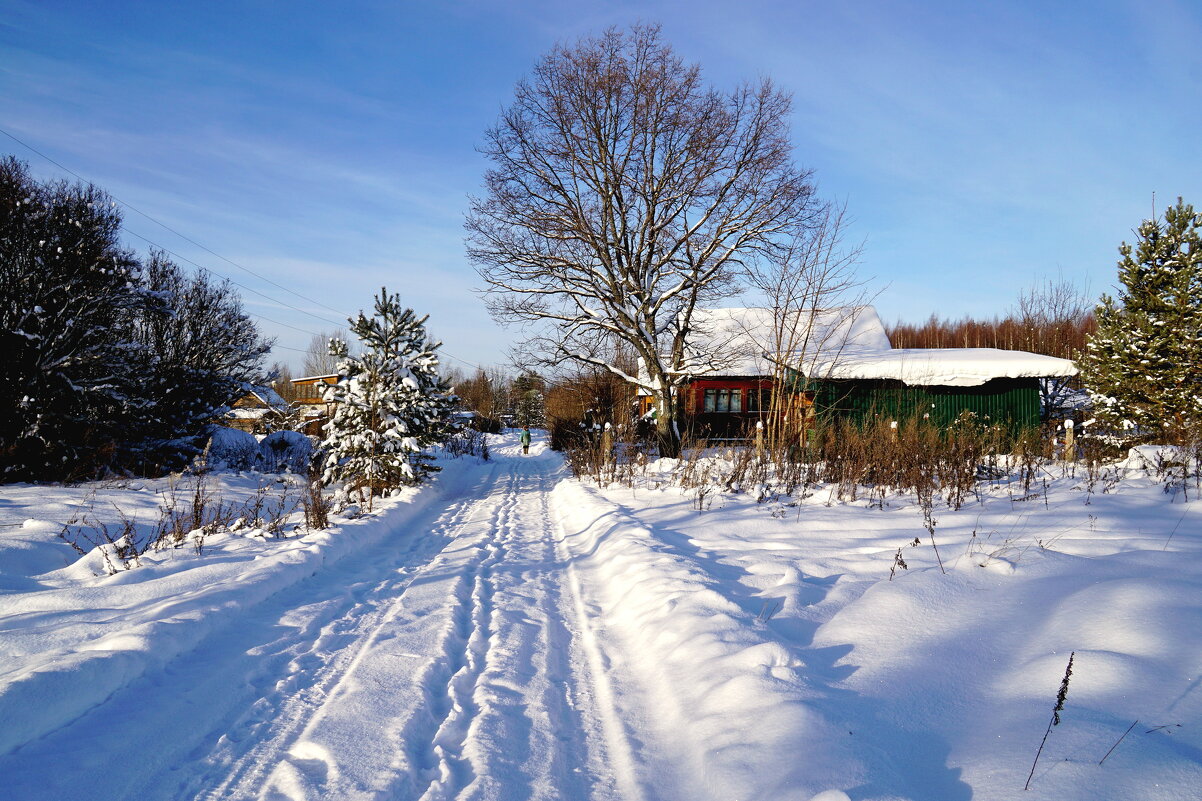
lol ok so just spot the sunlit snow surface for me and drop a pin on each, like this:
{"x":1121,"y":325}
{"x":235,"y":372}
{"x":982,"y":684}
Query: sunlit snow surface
{"x":510,"y":633}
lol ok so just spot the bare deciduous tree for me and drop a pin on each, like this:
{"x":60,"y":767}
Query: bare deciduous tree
{"x":815,"y":295}
{"x":1056,"y":317}
{"x":318,"y":359}
{"x":486,"y":392}
{"x":625,"y":193}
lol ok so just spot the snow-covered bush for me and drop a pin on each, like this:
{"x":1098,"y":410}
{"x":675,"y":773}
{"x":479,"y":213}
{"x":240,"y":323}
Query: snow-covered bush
{"x":231,"y":449}
{"x":68,"y":289}
{"x":113,"y":364}
{"x":468,"y":442}
{"x":289,"y":451}
{"x":199,"y":352}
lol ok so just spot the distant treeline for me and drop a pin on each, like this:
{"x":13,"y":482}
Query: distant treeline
{"x":1055,"y":320}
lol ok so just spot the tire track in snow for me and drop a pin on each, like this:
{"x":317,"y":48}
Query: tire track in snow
{"x":447,"y":665}
{"x":573,"y":692}
{"x":527,"y":740}
{"x":516,"y":717}
{"x":454,"y":706}
{"x":317,"y":670}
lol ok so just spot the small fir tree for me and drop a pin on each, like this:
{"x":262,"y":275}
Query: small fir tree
{"x":390,"y":404}
{"x":1143,"y":367}
{"x":528,"y":389}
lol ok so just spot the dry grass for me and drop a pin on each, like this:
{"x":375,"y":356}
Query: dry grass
{"x":187,"y":515}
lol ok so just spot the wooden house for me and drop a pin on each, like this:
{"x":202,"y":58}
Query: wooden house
{"x":838,"y":363}
{"x":257,"y":410}
{"x":311,"y":402}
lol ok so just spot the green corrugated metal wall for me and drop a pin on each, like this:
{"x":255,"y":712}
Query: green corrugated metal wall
{"x":1013,"y":402}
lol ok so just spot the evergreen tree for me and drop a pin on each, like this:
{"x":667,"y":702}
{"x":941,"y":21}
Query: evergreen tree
{"x":530,"y":411}
{"x":390,"y":404}
{"x":68,"y":296}
{"x":1143,"y":367}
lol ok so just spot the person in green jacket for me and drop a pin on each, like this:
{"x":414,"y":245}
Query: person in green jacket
{"x":526,"y":440}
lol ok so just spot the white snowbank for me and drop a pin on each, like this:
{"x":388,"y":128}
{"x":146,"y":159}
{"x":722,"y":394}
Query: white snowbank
{"x":928,"y":686}
{"x":725,"y":701}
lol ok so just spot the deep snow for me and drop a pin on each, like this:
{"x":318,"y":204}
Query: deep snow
{"x":509,"y":633}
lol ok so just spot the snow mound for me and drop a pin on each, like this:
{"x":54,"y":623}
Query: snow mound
{"x":721,"y":693}
{"x":289,"y":451}
{"x":231,"y":449}
{"x":1153,"y":458}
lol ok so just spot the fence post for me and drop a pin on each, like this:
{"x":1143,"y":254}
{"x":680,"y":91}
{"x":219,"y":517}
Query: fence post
{"x":759,"y":439}
{"x":1070,"y":441}
{"x":893,"y":430}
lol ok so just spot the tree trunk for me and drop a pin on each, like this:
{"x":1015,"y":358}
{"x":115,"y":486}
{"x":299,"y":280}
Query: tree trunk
{"x":667,"y":435}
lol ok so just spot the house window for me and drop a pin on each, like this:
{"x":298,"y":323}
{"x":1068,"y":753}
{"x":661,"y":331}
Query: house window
{"x":758,"y":399}
{"x":723,"y":400}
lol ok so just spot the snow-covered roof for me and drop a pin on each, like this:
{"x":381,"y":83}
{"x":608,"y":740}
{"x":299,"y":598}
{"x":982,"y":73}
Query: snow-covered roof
{"x":846,"y":343}
{"x":314,"y":377}
{"x":246,"y":413}
{"x":269,"y":397}
{"x":949,"y":367}
{"x":747,"y":341}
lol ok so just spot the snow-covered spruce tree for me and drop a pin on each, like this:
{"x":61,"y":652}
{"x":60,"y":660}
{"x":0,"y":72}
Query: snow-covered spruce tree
{"x":389,"y":405}
{"x":1143,"y":367}
{"x":200,"y":352}
{"x":68,"y":295}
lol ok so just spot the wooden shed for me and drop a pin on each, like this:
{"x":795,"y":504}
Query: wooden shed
{"x":838,"y":364}
{"x":311,"y":401}
{"x":257,"y":410}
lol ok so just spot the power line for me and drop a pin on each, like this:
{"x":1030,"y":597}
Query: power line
{"x":442,"y":352}
{"x":198,"y":266}
{"x":204,"y":269}
{"x":190,"y":240}
{"x":461,"y":361}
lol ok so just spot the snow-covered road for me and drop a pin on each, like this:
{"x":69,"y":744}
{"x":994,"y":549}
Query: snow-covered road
{"x":508,"y":632}
{"x":448,"y":662}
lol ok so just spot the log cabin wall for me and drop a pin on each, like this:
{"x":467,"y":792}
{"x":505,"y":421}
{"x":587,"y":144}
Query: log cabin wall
{"x":725,"y":407}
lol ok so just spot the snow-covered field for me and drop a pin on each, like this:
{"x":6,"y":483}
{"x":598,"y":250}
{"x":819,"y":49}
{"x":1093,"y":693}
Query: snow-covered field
{"x":510,"y":633}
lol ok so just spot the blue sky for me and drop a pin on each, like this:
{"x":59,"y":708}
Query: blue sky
{"x":330,"y":147}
